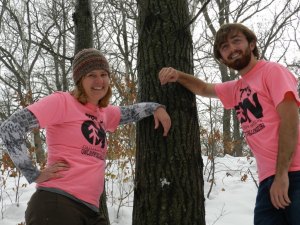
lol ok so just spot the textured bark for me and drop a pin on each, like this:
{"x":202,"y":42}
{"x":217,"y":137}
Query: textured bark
{"x":227,"y":140}
{"x":84,"y":39}
{"x":83,"y":25}
{"x":226,"y":118}
{"x":169,"y":179}
{"x":103,"y":210}
{"x":39,"y":152}
{"x":237,"y":137}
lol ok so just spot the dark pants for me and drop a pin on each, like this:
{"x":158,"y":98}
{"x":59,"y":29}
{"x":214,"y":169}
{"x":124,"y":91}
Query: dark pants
{"x":266,"y":214}
{"x":47,"y":208}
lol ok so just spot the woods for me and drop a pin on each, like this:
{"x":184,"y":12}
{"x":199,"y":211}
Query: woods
{"x":38,"y":40}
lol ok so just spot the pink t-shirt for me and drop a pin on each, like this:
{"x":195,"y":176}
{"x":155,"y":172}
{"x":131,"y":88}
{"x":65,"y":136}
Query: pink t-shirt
{"x":75,"y":134}
{"x":255,"y":97}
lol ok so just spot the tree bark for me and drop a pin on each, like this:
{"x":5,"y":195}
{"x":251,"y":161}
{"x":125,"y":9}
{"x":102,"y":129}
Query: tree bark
{"x":83,"y":25}
{"x":103,"y":210}
{"x":237,"y":137}
{"x":169,"y":178}
{"x":40,"y":154}
{"x":84,"y":39}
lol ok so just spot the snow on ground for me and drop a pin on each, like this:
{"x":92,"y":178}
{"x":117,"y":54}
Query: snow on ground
{"x":230,"y":202}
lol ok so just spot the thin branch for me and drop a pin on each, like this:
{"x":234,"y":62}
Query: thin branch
{"x":197,"y":15}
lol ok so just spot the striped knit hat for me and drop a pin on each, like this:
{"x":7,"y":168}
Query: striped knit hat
{"x":87,"y":60}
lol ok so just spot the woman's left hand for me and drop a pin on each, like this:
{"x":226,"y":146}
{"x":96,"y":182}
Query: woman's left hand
{"x":161,"y":116}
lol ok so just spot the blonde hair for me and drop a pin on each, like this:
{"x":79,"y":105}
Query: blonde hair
{"x":81,"y":96}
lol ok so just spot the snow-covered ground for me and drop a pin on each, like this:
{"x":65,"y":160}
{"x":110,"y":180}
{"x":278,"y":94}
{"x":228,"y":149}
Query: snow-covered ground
{"x":231,"y":200}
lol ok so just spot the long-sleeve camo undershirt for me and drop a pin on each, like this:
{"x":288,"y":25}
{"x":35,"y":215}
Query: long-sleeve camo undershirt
{"x":13,"y":133}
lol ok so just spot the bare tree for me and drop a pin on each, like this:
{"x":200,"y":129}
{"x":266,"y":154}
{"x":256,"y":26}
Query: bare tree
{"x":83,"y":21}
{"x":57,"y":50}
{"x":169,"y":179}
{"x":270,"y":32}
{"x":120,"y":35}
{"x":3,"y":7}
{"x":83,"y":25}
{"x":293,"y":61}
{"x":20,"y":56}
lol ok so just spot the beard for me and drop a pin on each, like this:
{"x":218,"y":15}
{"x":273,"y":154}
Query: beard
{"x":242,"y":62}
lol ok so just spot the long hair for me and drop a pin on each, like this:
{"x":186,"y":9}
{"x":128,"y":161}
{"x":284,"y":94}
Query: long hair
{"x":81,"y":96}
{"x":227,"y":29}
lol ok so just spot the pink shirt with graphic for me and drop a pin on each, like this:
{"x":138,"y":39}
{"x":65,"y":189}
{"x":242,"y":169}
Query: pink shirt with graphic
{"x":75,"y":134}
{"x":255,"y":97}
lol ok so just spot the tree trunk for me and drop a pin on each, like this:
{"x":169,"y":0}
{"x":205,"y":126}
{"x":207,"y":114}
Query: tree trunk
{"x":227,"y":138}
{"x":103,"y":209}
{"x":238,"y":139}
{"x":84,"y":39}
{"x":169,"y":178}
{"x":83,"y":25}
{"x":39,"y":152}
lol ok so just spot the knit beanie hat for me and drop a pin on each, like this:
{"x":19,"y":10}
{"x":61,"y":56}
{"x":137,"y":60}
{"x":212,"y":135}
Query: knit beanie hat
{"x":87,"y":60}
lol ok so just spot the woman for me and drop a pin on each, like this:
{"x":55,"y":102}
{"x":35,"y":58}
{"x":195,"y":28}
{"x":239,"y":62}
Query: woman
{"x":68,"y":189}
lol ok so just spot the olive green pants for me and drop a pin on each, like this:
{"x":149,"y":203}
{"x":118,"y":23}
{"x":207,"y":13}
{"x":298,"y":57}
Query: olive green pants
{"x":47,"y":208}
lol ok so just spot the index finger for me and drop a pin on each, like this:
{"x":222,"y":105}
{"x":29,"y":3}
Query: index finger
{"x":169,"y":74}
{"x":161,"y":75}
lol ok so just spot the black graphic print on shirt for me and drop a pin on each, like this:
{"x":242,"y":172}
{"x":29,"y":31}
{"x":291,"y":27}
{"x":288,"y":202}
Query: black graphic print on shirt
{"x":94,"y":133}
{"x":249,"y":112}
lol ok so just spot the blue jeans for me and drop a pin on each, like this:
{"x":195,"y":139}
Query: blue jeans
{"x":266,"y":214}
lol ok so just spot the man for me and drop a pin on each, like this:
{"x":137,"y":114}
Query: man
{"x":266,"y":102}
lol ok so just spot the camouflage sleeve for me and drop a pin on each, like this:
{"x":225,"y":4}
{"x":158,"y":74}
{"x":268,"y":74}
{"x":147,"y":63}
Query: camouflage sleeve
{"x":136,"y":112}
{"x":12,"y":133}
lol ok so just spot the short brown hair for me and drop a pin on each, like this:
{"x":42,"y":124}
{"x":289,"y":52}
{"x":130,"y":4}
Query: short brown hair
{"x":226,"y":29}
{"x":80,"y":95}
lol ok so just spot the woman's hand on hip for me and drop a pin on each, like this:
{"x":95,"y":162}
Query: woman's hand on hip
{"x":52,"y":172}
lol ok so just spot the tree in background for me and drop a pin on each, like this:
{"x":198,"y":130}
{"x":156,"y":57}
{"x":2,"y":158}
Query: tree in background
{"x":169,"y":179}
{"x":19,"y":55}
{"x":83,"y":21}
{"x":273,"y":41}
{"x":48,"y":26}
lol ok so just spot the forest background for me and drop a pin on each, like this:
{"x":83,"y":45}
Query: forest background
{"x":37,"y":46}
